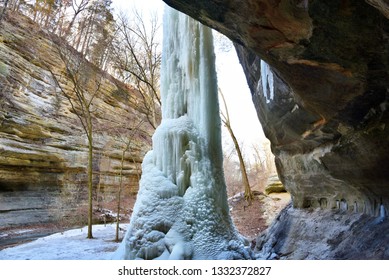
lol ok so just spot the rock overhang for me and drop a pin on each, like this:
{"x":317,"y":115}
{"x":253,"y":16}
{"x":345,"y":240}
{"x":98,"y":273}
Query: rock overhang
{"x":327,"y":121}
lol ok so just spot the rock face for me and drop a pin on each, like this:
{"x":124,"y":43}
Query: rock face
{"x":43,"y":149}
{"x":319,"y":77}
{"x":324,"y":234}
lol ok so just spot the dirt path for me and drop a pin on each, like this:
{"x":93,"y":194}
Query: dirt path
{"x":250,"y":220}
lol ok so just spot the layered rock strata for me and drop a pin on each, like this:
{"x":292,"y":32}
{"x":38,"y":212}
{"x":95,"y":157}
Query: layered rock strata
{"x":43,"y":148}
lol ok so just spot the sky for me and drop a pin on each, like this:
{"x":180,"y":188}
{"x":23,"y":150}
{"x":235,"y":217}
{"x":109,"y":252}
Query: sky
{"x":231,"y":80}
{"x":143,"y":4}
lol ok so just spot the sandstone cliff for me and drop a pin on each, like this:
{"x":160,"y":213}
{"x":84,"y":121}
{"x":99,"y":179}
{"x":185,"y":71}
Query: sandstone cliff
{"x":43,"y":149}
{"x":319,"y":77}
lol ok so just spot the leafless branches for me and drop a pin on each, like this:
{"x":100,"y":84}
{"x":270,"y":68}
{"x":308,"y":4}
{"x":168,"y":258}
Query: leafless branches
{"x":137,"y":58}
{"x":227,"y":123}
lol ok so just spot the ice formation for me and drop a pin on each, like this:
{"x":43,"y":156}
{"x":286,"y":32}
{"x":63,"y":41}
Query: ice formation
{"x":267,"y":79}
{"x":181,"y":210}
{"x":382,"y":212}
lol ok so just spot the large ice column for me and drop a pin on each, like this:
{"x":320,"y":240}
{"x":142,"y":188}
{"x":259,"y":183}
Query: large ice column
{"x":181,"y":211}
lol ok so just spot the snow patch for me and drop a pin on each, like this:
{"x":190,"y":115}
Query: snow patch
{"x":23,"y":231}
{"x":68,"y":245}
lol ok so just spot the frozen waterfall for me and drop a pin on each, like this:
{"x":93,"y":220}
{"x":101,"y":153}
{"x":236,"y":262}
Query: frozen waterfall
{"x":181,"y":211}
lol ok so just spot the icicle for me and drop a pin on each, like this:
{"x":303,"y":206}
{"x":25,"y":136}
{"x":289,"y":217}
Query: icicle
{"x":355,"y":207}
{"x":267,"y":80}
{"x":343,"y":205}
{"x":382,"y":212}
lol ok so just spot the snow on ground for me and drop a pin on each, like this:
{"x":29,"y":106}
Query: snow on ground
{"x":68,"y":245}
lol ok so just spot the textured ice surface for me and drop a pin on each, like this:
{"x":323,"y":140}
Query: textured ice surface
{"x":181,"y":210}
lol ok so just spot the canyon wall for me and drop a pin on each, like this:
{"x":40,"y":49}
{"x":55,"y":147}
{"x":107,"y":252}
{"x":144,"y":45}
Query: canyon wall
{"x":43,"y":148}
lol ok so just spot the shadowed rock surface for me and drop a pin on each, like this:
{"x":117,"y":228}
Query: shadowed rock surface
{"x":324,"y":234}
{"x":321,"y":94}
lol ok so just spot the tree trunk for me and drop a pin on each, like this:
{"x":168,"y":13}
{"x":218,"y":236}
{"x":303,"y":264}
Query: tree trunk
{"x":16,"y":5}
{"x":48,"y":17}
{"x":248,"y":194}
{"x":4,"y":9}
{"x":119,"y":195}
{"x":88,"y":34}
{"x":79,"y":37}
{"x":90,"y":177}
{"x":69,"y":28}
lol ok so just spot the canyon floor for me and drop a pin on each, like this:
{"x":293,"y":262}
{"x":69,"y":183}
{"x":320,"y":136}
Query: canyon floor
{"x":250,"y":220}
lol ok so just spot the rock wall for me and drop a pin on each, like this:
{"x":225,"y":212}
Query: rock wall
{"x":324,"y":234}
{"x":43,"y":148}
{"x":318,"y":74}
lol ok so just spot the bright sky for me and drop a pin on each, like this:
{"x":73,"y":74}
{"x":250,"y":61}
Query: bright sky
{"x":143,"y":4}
{"x":231,"y":80}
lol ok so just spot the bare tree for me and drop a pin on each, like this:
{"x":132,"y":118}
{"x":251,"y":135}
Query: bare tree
{"x":227,"y":123}
{"x":4,"y":9}
{"x":78,"y":7}
{"x":137,"y":59}
{"x":127,"y":141}
{"x":85,"y":86}
{"x":95,"y":32}
{"x":17,"y":4}
{"x":231,"y":171}
{"x":59,"y":25}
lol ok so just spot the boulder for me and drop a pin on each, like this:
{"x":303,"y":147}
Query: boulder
{"x":274,"y":185}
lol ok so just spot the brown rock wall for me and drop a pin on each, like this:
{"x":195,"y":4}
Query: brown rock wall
{"x":43,"y":149}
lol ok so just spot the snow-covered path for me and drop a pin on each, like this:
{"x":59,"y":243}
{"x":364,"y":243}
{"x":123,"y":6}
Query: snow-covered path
{"x":68,"y":245}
